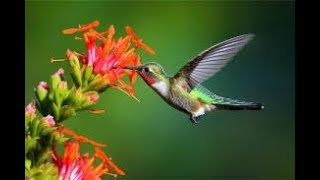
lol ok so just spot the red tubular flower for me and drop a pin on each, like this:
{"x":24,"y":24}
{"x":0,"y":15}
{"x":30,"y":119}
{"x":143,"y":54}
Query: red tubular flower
{"x":71,"y":165}
{"x":137,"y":41}
{"x":80,"y":138}
{"x":109,"y":52}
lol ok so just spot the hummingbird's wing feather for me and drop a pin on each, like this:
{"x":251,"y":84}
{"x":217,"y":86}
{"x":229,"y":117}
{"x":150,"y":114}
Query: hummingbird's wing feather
{"x":210,"y":61}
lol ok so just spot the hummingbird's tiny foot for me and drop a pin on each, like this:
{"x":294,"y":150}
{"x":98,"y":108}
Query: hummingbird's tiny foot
{"x":195,"y":119}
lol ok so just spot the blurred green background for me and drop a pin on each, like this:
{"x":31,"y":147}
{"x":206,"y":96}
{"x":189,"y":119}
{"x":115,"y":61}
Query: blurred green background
{"x":151,"y":140}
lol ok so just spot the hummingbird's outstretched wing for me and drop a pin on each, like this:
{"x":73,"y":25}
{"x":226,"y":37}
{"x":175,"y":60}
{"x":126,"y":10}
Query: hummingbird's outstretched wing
{"x":210,"y":61}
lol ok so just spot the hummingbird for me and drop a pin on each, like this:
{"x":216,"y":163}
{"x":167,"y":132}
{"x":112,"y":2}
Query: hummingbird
{"x":184,"y":91}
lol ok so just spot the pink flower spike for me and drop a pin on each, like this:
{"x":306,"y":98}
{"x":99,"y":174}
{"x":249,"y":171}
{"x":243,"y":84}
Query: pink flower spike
{"x":49,"y":120}
{"x":94,"y":98}
{"x":31,"y":108}
{"x":43,"y":85}
{"x":60,"y":72}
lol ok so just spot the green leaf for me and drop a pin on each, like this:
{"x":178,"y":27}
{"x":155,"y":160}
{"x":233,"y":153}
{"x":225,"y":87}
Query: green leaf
{"x":45,"y":155}
{"x":97,"y":79}
{"x":42,"y":95}
{"x":27,"y":164}
{"x":65,"y":95}
{"x":72,"y":96}
{"x":57,"y":97}
{"x":47,"y":171}
{"x":55,"y":80}
{"x":102,"y":87}
{"x":74,"y":62}
{"x":30,"y":143}
{"x":76,"y":77}
{"x":47,"y":130}
{"x":34,"y":127}
{"x":27,"y":126}
{"x":76,"y":71}
{"x":56,"y":111}
{"x":66,"y":112}
{"x":60,"y":139}
{"x":86,"y":100}
{"x":86,"y":75}
{"x":93,"y":76}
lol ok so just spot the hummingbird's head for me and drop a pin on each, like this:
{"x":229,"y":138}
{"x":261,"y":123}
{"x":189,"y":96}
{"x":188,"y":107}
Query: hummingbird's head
{"x":150,"y":72}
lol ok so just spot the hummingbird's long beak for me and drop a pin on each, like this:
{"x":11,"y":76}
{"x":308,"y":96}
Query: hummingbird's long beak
{"x":135,"y":68}
{"x":130,"y":67}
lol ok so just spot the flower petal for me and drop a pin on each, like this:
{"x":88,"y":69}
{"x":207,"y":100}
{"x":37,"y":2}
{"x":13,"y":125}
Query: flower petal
{"x":104,"y":157}
{"x":97,"y":111}
{"x":138,"y":42}
{"x":81,"y":28}
{"x":81,"y":138}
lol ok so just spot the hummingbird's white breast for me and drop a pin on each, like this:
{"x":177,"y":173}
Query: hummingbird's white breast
{"x":161,"y":87}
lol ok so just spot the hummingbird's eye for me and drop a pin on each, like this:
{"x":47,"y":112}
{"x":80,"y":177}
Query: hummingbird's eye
{"x":146,"y":69}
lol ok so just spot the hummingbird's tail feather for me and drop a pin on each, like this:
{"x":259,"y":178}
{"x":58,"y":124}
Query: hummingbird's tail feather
{"x":223,"y":102}
{"x":234,"y":104}
{"x":242,"y":106}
